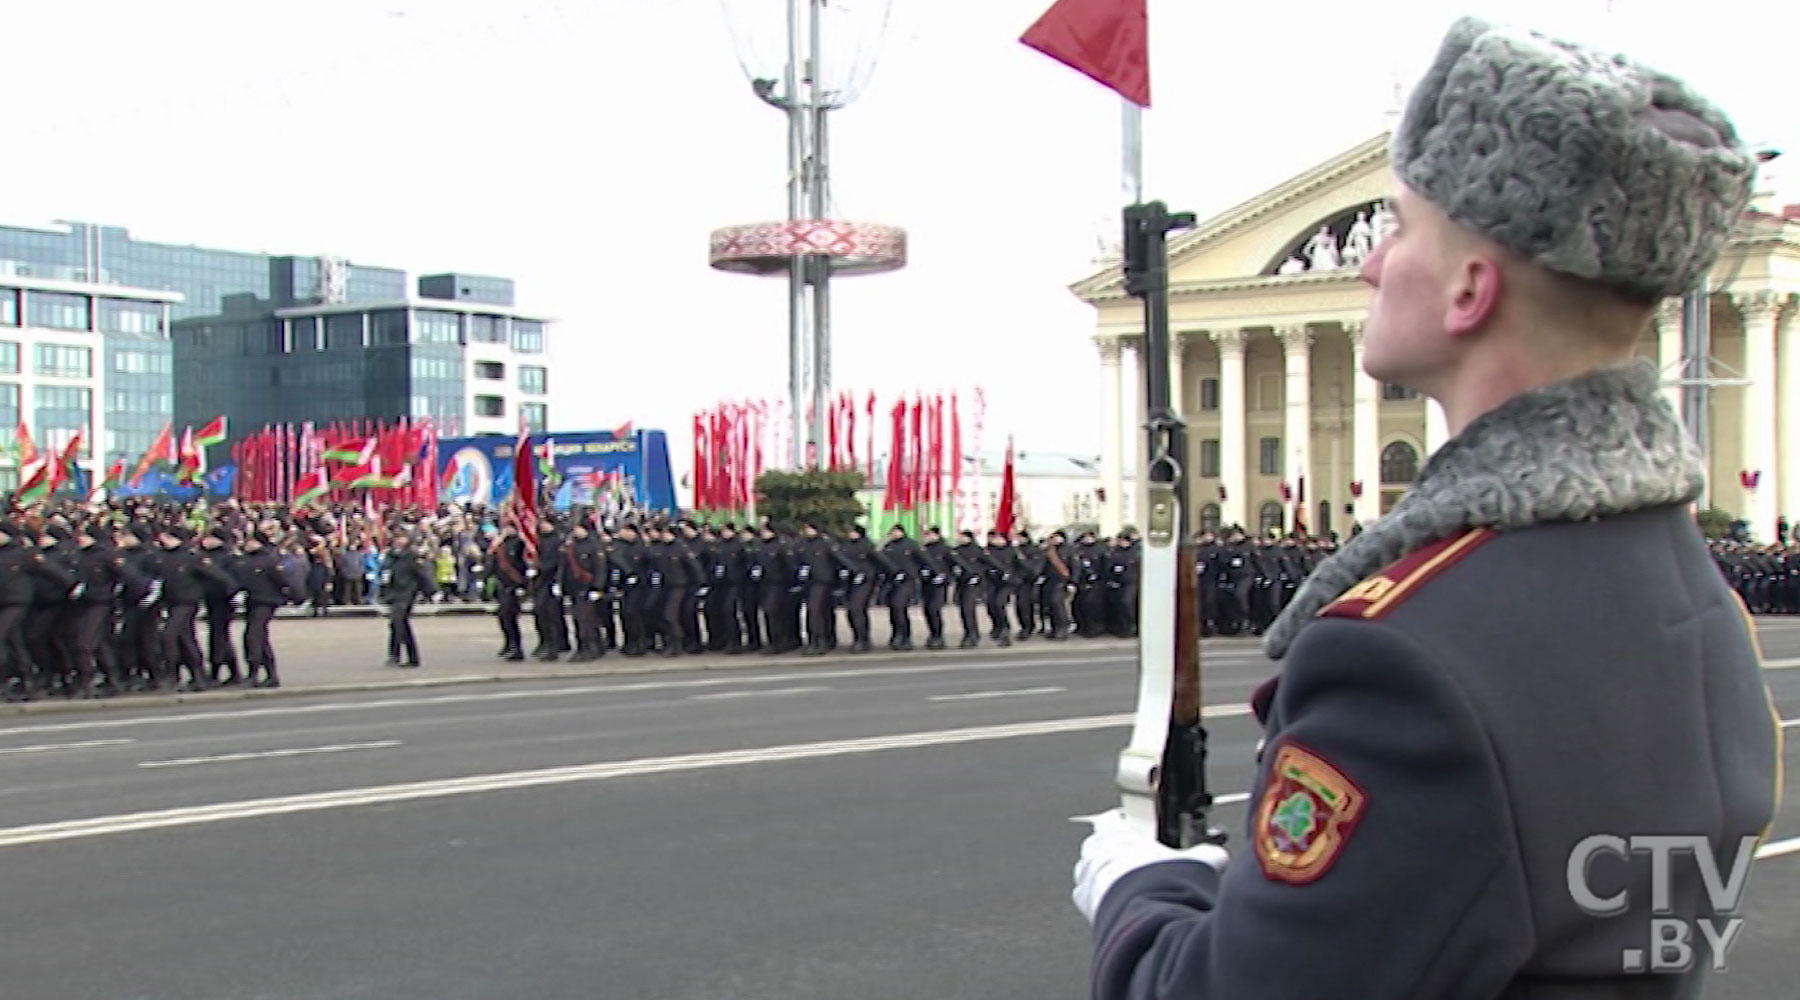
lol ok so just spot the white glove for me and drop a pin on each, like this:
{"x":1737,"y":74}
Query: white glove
{"x":1116,"y":849}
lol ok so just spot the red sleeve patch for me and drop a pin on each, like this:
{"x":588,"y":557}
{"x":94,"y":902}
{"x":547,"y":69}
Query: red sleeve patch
{"x":1378,"y":594}
{"x":1305,"y":816}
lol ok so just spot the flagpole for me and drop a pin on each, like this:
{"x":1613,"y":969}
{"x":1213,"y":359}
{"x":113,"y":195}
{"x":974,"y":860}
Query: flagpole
{"x":1132,"y":161}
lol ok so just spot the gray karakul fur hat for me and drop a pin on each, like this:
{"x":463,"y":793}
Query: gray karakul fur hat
{"x":1588,"y":163}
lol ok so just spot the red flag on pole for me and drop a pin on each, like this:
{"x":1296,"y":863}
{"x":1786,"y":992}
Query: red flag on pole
{"x":1003,"y":511}
{"x":524,"y":498}
{"x":1108,"y":40}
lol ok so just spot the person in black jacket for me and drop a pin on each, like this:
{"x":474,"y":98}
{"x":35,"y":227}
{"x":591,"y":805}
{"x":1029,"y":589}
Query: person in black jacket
{"x":16,"y":590}
{"x":184,"y":576}
{"x":96,"y":584}
{"x":265,"y":589}
{"x":139,"y":642}
{"x":221,"y":590}
{"x":403,"y":581}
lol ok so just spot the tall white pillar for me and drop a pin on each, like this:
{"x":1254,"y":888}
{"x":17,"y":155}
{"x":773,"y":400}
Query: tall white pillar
{"x":1233,"y":427}
{"x":1787,"y":360}
{"x":1437,"y":428}
{"x":1365,"y":430}
{"x":1296,"y":434}
{"x":1140,"y":443}
{"x":1668,"y":351}
{"x":1756,"y":427}
{"x":1112,"y":441}
{"x":1177,"y":357}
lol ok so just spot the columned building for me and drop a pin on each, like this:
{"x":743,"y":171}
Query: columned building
{"x":1286,"y":432}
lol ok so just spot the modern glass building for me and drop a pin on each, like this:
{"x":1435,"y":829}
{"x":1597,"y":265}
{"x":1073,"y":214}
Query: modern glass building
{"x":80,"y":357}
{"x":263,"y":337}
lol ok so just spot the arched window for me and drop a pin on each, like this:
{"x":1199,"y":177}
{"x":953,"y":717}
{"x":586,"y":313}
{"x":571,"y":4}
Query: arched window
{"x":1399,"y":463}
{"x":1209,"y":517}
{"x":1269,"y":517}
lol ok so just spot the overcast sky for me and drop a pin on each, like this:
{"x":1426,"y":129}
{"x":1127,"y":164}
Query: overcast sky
{"x":586,"y":147}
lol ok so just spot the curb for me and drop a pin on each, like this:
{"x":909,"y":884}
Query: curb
{"x":681,"y":664}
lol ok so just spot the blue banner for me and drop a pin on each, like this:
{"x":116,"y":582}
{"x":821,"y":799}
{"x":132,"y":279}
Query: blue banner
{"x":592,"y":468}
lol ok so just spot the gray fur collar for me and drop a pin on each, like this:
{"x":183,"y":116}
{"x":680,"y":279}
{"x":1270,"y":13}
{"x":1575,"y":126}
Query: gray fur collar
{"x":1602,"y":443}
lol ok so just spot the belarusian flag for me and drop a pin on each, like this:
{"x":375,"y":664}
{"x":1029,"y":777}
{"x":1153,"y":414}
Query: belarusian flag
{"x":65,"y":466}
{"x":358,"y":477}
{"x":356,"y":451}
{"x":35,"y":485}
{"x":311,"y":486}
{"x":22,"y":446}
{"x":213,"y":433}
{"x":162,"y":448}
{"x":115,"y":475}
{"x":189,"y":471}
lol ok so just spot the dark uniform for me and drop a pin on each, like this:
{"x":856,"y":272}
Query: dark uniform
{"x":1430,"y":768}
{"x":403,"y":581}
{"x":265,"y":589}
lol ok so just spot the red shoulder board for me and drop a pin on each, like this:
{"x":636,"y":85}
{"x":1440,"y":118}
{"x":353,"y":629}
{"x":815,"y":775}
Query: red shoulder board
{"x":1378,"y":594}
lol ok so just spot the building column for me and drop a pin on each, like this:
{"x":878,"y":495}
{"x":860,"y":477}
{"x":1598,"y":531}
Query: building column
{"x":1365,"y":430}
{"x":1296,"y":434}
{"x":1787,"y":361}
{"x":1112,"y":439}
{"x":1437,"y":428}
{"x":1756,"y":429}
{"x":1669,"y":359}
{"x":1140,"y":443}
{"x":1233,"y":426}
{"x":1177,"y":365}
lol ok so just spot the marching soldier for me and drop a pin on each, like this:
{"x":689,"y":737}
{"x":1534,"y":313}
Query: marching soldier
{"x":902,"y":560}
{"x":265,"y":588}
{"x":220,"y":591}
{"x":934,"y":577}
{"x":584,"y":576}
{"x":511,"y":577}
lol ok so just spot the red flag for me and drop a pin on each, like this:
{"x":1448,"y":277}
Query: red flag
{"x":698,"y":481}
{"x":955,"y":454}
{"x":1108,"y":40}
{"x":870,"y":475}
{"x":891,"y":495}
{"x":915,"y":483}
{"x":835,"y":458}
{"x":524,"y":498}
{"x":1003,"y":511}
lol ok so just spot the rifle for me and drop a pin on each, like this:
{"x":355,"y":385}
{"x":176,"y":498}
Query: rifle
{"x":1162,"y":771}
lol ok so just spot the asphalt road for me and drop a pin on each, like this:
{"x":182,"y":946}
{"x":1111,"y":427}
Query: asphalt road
{"x":871,"y":830}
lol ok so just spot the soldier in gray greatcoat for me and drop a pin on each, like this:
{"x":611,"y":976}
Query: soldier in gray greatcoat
{"x":1491,"y":697}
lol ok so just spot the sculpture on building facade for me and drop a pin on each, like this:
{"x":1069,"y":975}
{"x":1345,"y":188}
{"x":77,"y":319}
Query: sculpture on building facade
{"x":1321,"y":251}
{"x":1359,"y":242}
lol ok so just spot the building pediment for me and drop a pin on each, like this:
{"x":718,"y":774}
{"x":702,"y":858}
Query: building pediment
{"x":1260,"y":238}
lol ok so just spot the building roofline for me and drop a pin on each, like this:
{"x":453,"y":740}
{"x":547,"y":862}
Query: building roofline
{"x":98,"y":288}
{"x":412,"y":302}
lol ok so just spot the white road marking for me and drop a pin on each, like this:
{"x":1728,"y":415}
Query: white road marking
{"x":542,"y":692}
{"x":1789,"y":723}
{"x":52,"y":747}
{"x":263,"y":754}
{"x":723,"y":695}
{"x":980,"y":695}
{"x":1788,"y":663}
{"x":411,"y":791}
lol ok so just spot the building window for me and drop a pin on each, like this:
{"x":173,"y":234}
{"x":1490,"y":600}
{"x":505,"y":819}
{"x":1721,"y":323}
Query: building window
{"x":1209,"y":394}
{"x":1399,"y":463}
{"x":442,"y":369}
{"x":56,"y":311}
{"x":534,"y":379}
{"x":9,"y":358}
{"x":63,"y":412}
{"x":432,"y":326}
{"x":63,"y":361}
{"x":9,"y":307}
{"x":487,"y":329}
{"x":1397,"y":392}
{"x":142,"y":319}
{"x":1268,"y":456}
{"x":1209,"y":517}
{"x":1268,"y":392}
{"x":536,"y":416}
{"x":528,"y":336}
{"x":1268,"y":518}
{"x":1323,"y":528}
{"x":303,"y":334}
{"x":344,"y":332}
{"x":490,"y":406}
{"x":1209,"y":457}
{"x":388,"y":327}
{"x":9,"y":404}
{"x":141,"y":363}
{"x":492,"y":370}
